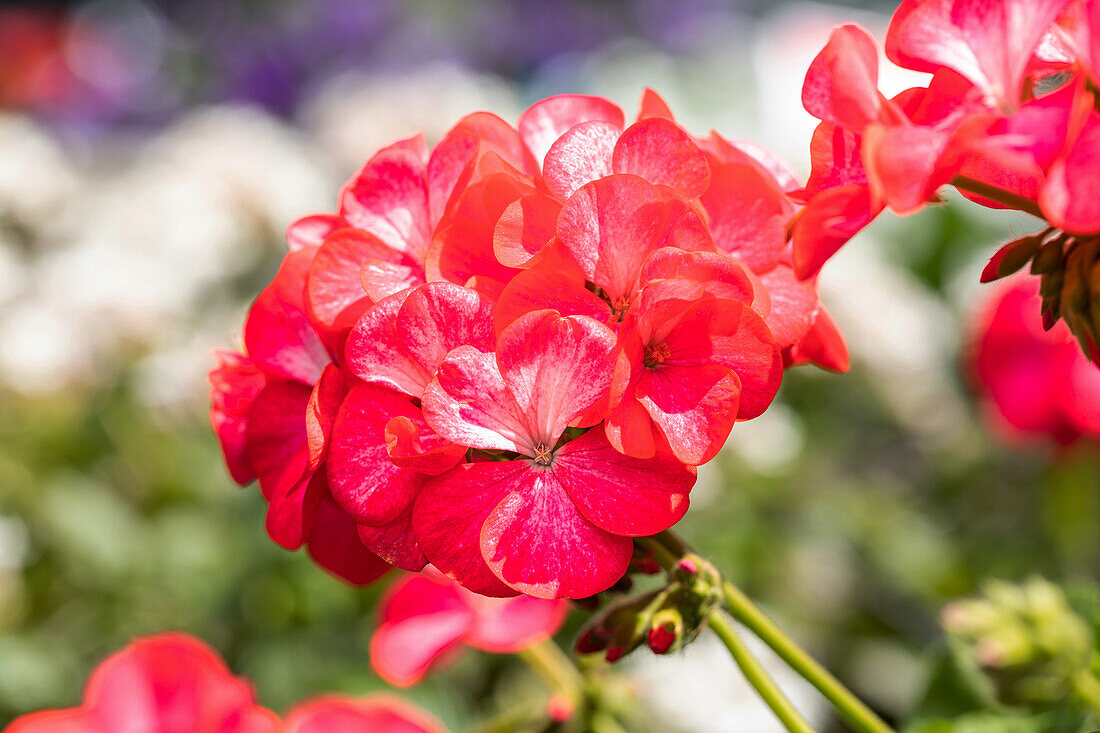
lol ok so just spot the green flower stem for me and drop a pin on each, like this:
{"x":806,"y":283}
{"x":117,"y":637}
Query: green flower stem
{"x":554,"y":666}
{"x":1087,"y":688}
{"x":745,"y":612}
{"x":1015,"y":201}
{"x":756,"y":675}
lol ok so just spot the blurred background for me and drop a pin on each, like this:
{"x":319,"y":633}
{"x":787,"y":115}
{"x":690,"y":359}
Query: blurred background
{"x":151,"y":155}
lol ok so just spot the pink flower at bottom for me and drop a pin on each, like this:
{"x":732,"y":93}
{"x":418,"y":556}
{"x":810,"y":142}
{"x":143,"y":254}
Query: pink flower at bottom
{"x":424,"y":618}
{"x":373,"y":714}
{"x":171,"y":683}
{"x":1036,"y":383}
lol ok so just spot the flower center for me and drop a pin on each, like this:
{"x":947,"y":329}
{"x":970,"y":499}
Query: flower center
{"x":543,"y":454}
{"x":655,"y":355}
{"x":621,"y":305}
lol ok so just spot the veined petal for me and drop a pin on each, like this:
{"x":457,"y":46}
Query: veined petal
{"x":364,"y":481}
{"x":548,"y":286}
{"x":748,"y":214}
{"x":1071,"y":196}
{"x":581,"y":155}
{"x":712,"y":273}
{"x":276,"y":444}
{"x":374,"y":352}
{"x":310,"y":232}
{"x":395,"y":542}
{"x":449,"y":514}
{"x":234,"y":384}
{"x":334,"y":283}
{"x":623,"y":495}
{"x":829,"y":220}
{"x":794,"y":304}
{"x":652,"y":105}
{"x":659,"y":151}
{"x":842,"y":83}
{"x":335,"y":545}
{"x":291,"y":515}
{"x":412,"y":444}
{"x":438,"y":317}
{"x":525,"y":227}
{"x":538,"y":543}
{"x":545,"y":121}
{"x":321,"y":412}
{"x":695,"y":408}
{"x":556,"y":367}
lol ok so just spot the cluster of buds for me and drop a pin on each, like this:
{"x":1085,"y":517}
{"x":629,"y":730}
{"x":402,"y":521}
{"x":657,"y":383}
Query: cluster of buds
{"x":1033,"y":649}
{"x":665,"y":618}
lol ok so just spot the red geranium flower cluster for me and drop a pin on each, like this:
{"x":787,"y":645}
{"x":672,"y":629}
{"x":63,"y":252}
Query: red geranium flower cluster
{"x":1010,"y":116}
{"x":424,"y":619}
{"x":173,"y":683}
{"x":1036,"y":383}
{"x":507,"y":355}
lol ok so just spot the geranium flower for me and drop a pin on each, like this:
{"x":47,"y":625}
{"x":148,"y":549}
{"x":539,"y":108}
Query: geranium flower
{"x":170,"y":683}
{"x":371,"y":714}
{"x":425,"y":619}
{"x":1035,"y":383}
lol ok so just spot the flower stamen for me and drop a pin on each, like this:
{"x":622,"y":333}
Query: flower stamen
{"x":655,"y":355}
{"x":543,"y":454}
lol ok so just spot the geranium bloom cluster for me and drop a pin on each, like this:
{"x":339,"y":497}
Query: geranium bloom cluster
{"x":1010,"y":116}
{"x":173,"y":683}
{"x":425,"y":619}
{"x":1036,"y":383}
{"x":505,"y":356}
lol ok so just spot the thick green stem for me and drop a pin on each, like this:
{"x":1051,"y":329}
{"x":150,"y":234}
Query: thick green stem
{"x":1013,"y":200}
{"x":756,"y":675}
{"x":745,"y":612}
{"x":554,"y":666}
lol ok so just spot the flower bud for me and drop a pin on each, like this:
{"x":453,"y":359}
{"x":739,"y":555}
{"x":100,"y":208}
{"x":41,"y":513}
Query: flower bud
{"x":666,"y":631}
{"x":1025,"y":638}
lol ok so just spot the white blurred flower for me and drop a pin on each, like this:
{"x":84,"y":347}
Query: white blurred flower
{"x":769,"y":443}
{"x":36,"y":177}
{"x":356,"y":114}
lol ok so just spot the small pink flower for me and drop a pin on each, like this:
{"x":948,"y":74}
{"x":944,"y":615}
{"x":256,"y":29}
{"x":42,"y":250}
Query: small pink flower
{"x":371,"y":714}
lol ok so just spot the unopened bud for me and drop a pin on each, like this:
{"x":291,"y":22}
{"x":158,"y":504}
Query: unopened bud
{"x":666,"y":630}
{"x":591,"y":641}
{"x":560,"y":708}
{"x":1013,"y":256}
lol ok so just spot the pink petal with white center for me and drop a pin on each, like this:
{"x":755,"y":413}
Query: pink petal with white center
{"x":619,"y":494}
{"x":411,"y":444}
{"x":989,"y":42}
{"x":420,"y":618}
{"x":364,"y":481}
{"x":652,"y":105}
{"x":507,"y":626}
{"x":448,"y":516}
{"x":389,"y":198}
{"x":538,"y":543}
{"x":548,"y":287}
{"x":334,"y":283}
{"x":609,"y":227}
{"x":524,"y":229}
{"x":661,"y":152}
{"x":291,"y":515}
{"x":695,"y":408}
{"x":334,"y":544}
{"x":278,"y":335}
{"x":438,"y":317}
{"x":321,"y":412}
{"x":310,"y":232}
{"x":580,"y":156}
{"x":842,"y":83}
{"x":373,"y":714}
{"x":234,"y":384}
{"x":794,"y":304}
{"x":469,"y":404}
{"x":276,"y":444}
{"x":374,"y":352}
{"x":395,"y":543}
{"x":556,"y":368}
{"x":545,"y":121}
{"x":748,"y":214}
{"x":1071,"y":196}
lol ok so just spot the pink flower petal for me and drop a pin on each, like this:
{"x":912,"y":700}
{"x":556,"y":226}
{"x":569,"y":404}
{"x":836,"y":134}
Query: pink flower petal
{"x":712,"y":273}
{"x":545,"y":121}
{"x":438,"y":317}
{"x":556,"y":368}
{"x":278,"y":335}
{"x":548,"y":286}
{"x":609,"y":227}
{"x":365,"y":482}
{"x":506,"y":626}
{"x":469,"y":404}
{"x":335,"y":545}
{"x":374,"y":714}
{"x":389,"y":198}
{"x":292,"y":514}
{"x":695,"y":408}
{"x":538,"y":543}
{"x":824,"y":346}
{"x":395,"y":543}
{"x":334,"y":283}
{"x":382,"y":279}
{"x":794,"y":304}
{"x":413,"y":445}
{"x":525,"y":227}
{"x":276,"y":443}
{"x":449,"y":514}
{"x":661,"y":152}
{"x":580,"y":156}
{"x":310,"y":232}
{"x":748,"y":214}
{"x":234,"y":384}
{"x":420,"y":618}
{"x":830,"y":219}
{"x":653,"y":105}
{"x":375,"y":354}
{"x":629,"y":428}
{"x":990,"y":43}
{"x":619,"y":494}
{"x":842,"y":83}
{"x":1071,"y":196}
{"x":321,"y":412}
